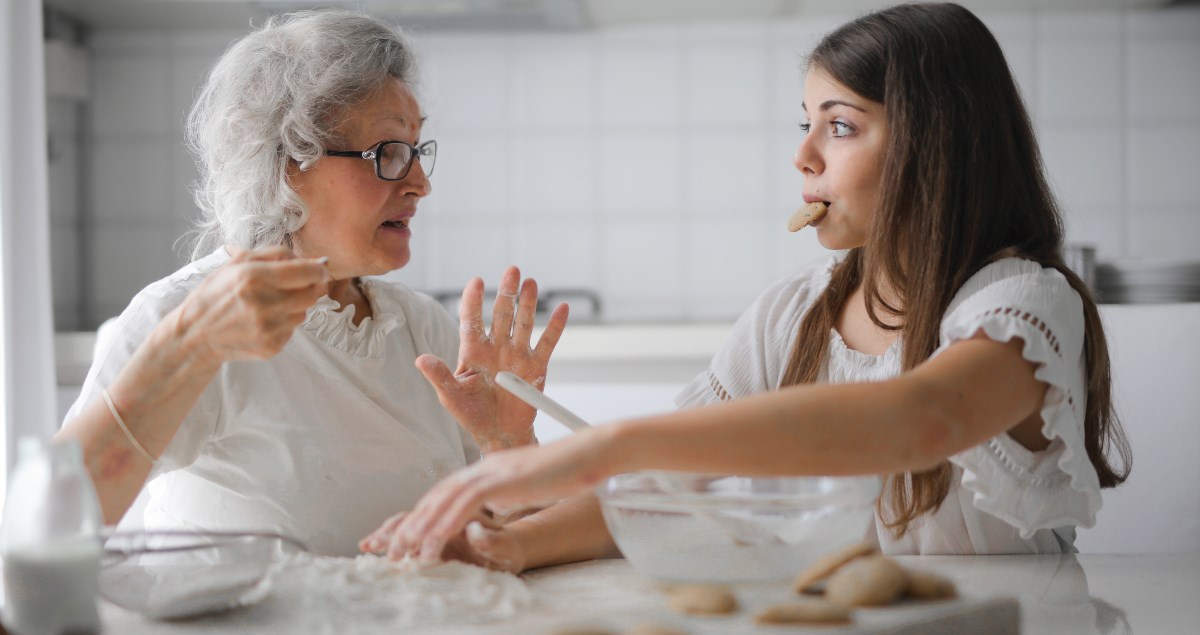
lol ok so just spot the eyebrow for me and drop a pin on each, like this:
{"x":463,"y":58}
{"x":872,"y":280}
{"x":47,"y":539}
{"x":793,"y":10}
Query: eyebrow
{"x":830,"y":103}
{"x":402,"y":120}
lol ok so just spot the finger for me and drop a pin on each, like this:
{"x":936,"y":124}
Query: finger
{"x":470,"y":316}
{"x":526,"y":309}
{"x":415,"y":529}
{"x":438,"y":375}
{"x":453,"y":518}
{"x":296,"y":273}
{"x":488,"y":545}
{"x":502,"y":310}
{"x":277,"y":252}
{"x":554,"y":331}
{"x":458,"y":500}
{"x":236,"y":254}
{"x":378,"y":539}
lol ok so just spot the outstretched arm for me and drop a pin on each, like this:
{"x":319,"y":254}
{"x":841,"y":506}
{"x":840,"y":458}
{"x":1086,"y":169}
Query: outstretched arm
{"x":973,"y":391}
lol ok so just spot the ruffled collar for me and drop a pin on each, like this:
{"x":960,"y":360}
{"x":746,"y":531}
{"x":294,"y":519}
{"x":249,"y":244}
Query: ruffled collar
{"x":336,"y":328}
{"x":846,"y":365}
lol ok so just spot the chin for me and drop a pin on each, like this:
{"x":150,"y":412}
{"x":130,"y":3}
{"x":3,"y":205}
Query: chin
{"x":398,"y":261}
{"x":838,"y":241}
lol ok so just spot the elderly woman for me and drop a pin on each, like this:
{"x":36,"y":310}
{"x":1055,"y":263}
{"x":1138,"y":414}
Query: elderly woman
{"x":268,"y":385}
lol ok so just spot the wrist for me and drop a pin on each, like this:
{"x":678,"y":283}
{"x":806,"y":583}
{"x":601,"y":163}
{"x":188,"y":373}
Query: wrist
{"x":190,"y":342}
{"x":618,"y":444}
{"x":497,"y":442}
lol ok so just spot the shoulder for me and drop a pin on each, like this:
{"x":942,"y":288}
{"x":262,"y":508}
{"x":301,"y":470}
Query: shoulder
{"x":161,"y":297}
{"x":1017,"y":291}
{"x":1020,"y":282}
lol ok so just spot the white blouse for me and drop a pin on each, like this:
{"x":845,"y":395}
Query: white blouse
{"x":1004,"y":498}
{"x":321,"y":442}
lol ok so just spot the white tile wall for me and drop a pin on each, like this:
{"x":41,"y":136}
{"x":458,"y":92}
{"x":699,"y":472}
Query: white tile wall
{"x":654,"y":163}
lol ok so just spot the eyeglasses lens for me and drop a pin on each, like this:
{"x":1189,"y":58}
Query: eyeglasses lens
{"x":394,"y":159}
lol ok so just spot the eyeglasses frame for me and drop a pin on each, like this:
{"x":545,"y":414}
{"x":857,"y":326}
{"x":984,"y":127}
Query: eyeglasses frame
{"x":373,"y":154}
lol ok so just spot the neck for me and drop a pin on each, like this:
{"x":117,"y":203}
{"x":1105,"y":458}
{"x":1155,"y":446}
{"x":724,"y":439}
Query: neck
{"x":348,"y":291}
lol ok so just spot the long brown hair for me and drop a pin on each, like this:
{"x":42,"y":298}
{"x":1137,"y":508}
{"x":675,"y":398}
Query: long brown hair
{"x":963,"y":185}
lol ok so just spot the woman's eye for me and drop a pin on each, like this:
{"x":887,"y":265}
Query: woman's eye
{"x":841,"y":128}
{"x":805,"y":127}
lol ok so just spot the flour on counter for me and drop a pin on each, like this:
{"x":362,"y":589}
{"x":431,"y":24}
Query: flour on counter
{"x":327,"y":594}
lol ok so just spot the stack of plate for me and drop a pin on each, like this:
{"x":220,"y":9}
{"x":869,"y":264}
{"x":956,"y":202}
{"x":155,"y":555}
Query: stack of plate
{"x":1148,"y":281}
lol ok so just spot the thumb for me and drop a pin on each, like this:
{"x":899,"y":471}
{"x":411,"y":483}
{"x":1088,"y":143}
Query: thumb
{"x":436,"y":373}
{"x":489,"y":545}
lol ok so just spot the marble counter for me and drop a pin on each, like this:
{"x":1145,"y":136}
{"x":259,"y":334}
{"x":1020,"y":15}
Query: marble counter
{"x":1060,"y":595}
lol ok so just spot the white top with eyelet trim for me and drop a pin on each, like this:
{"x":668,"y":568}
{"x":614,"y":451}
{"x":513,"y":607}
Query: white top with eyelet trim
{"x":321,"y":442}
{"x":1004,"y":498}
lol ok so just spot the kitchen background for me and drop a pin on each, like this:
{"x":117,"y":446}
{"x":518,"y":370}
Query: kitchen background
{"x":641,"y":152}
{"x":611,"y":146}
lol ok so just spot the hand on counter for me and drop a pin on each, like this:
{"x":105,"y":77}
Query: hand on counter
{"x":484,"y":542}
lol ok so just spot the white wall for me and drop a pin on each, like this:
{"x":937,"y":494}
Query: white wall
{"x":653,"y":163}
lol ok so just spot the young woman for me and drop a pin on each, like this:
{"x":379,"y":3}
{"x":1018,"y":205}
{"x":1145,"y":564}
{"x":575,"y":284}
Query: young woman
{"x":947,"y":347}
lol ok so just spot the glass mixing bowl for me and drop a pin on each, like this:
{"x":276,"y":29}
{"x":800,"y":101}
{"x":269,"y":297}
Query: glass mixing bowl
{"x":174,"y":575}
{"x":720,"y":528}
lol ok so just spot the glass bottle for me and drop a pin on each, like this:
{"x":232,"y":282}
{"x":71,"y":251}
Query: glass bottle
{"x":50,"y":542}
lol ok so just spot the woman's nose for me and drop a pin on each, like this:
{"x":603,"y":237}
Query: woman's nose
{"x":417,"y":182}
{"x":807,"y":160}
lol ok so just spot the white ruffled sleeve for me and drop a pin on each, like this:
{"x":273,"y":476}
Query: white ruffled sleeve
{"x":1056,"y":487}
{"x":756,"y":353}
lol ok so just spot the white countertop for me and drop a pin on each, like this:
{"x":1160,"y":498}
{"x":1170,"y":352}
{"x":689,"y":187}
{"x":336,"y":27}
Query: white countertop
{"x":1144,"y":594}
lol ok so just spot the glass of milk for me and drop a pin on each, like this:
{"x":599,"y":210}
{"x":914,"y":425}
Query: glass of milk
{"x":50,"y":542}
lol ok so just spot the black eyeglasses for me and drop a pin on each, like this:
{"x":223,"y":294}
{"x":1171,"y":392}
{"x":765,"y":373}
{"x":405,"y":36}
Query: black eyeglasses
{"x":393,"y":159}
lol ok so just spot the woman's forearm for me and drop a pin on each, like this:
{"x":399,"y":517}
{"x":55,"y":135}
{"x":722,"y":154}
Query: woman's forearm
{"x":153,"y":393}
{"x":812,"y":430}
{"x":972,"y":392}
{"x":570,"y":531}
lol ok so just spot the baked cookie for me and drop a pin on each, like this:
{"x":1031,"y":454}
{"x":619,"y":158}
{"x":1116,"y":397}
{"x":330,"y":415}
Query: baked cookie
{"x":923,"y":585}
{"x":651,"y":628}
{"x":804,"y":612}
{"x":807,"y":215}
{"x":825,"y":566}
{"x":702,"y":599}
{"x":868,"y":581}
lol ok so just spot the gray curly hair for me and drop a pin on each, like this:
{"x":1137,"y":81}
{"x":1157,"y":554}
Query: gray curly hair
{"x":277,"y":95}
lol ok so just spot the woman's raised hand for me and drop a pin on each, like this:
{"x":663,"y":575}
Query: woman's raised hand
{"x":493,"y":416}
{"x":249,"y":307}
